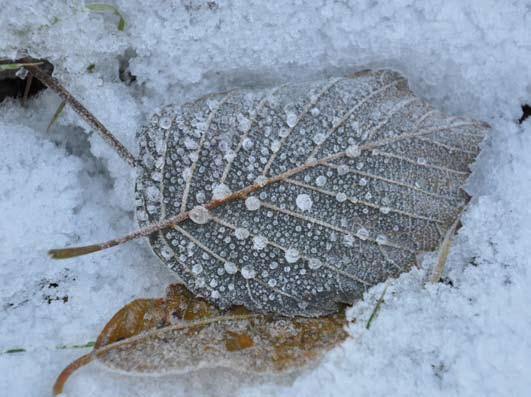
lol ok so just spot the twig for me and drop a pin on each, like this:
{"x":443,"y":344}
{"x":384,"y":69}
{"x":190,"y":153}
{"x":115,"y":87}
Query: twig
{"x":57,"y":87}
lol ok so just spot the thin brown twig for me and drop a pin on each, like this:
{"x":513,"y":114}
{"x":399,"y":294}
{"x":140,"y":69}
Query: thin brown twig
{"x":58,"y":88}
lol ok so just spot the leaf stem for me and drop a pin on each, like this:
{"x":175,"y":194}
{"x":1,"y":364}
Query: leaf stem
{"x":65,"y":374}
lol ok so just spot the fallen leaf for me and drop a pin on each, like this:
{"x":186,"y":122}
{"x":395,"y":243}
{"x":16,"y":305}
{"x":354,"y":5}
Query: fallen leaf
{"x":181,"y":333}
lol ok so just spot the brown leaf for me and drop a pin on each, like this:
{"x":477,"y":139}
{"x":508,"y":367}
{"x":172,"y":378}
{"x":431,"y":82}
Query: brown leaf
{"x":181,"y":333}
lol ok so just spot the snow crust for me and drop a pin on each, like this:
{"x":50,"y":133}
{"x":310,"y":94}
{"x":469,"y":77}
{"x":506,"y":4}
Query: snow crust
{"x":469,"y":336}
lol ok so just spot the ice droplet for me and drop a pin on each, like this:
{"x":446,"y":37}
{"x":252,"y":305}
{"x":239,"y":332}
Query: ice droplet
{"x":241,"y":233}
{"x":343,"y":169}
{"x":292,"y":255}
{"x":247,"y":144}
{"x":320,"y":180}
{"x":315,"y":111}
{"x":199,"y":215}
{"x":259,"y":242}
{"x":165,"y":123}
{"x":341,"y":197}
{"x":214,"y":295}
{"x":197,"y":268}
{"x":362,"y":233}
{"x":353,"y":151}
{"x":314,"y":263}
{"x":272,"y":282}
{"x":319,"y":138}
{"x":275,"y":146}
{"x":230,"y":267}
{"x":291,"y":119}
{"x":220,"y":191}
{"x":381,"y":239}
{"x":422,"y":161}
{"x":252,"y":203}
{"x":248,"y":272}
{"x":304,"y":202}
{"x":385,"y":210}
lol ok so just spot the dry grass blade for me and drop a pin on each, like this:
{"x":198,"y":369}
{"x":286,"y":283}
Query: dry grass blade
{"x":181,"y":333}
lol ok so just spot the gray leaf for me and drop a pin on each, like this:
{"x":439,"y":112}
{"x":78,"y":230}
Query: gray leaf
{"x":343,"y":182}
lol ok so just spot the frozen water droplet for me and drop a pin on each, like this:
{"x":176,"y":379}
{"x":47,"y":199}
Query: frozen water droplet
{"x":348,"y":240}
{"x":260,"y":180}
{"x":304,"y":202}
{"x":362,"y":182}
{"x":197,"y":268}
{"x":165,"y":122}
{"x":291,"y":119}
{"x":385,"y":210}
{"x":362,"y":233}
{"x":252,"y":203}
{"x":152,"y":193}
{"x":190,"y":144}
{"x":275,"y":146}
{"x":214,"y":295}
{"x":315,"y":111}
{"x":381,"y":239}
{"x":199,"y":215}
{"x":200,"y":282}
{"x":213,"y":283}
{"x":243,"y":123}
{"x":220,"y":191}
{"x":368,"y":196}
{"x":230,"y":267}
{"x":422,"y":161}
{"x":319,"y":138}
{"x":320,"y":180}
{"x":166,"y":253}
{"x":283,"y":132}
{"x":341,"y":197}
{"x":241,"y":233}
{"x":314,"y":263}
{"x":247,"y":144}
{"x":353,"y":151}
{"x":272,"y":282}
{"x":248,"y":272}
{"x":292,"y":255}
{"x":273,"y":265}
{"x":259,"y":242}
{"x":200,"y":197}
{"x":343,"y":169}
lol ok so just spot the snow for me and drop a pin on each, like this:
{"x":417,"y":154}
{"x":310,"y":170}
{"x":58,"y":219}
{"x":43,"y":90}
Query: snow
{"x":67,"y":187}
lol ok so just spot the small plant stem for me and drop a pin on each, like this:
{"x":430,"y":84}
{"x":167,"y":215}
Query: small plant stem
{"x":58,"y":88}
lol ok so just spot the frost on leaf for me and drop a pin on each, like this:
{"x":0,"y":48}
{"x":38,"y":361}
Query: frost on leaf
{"x":330,"y":187}
{"x":181,"y":333}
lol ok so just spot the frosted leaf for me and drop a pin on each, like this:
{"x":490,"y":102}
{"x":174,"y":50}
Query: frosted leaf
{"x":230,"y":267}
{"x":199,"y":215}
{"x":252,"y":203}
{"x":248,"y":272}
{"x":161,"y":336}
{"x":355,"y":148}
{"x":241,"y":233}
{"x":259,"y":242}
{"x":292,"y":255}
{"x":304,"y":202}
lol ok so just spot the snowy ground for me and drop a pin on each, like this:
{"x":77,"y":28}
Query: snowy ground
{"x":472,"y":338}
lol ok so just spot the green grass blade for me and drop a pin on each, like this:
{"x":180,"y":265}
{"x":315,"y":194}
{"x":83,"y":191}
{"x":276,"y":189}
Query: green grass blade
{"x":104,"y":7}
{"x":56,"y":114}
{"x":15,"y":66}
